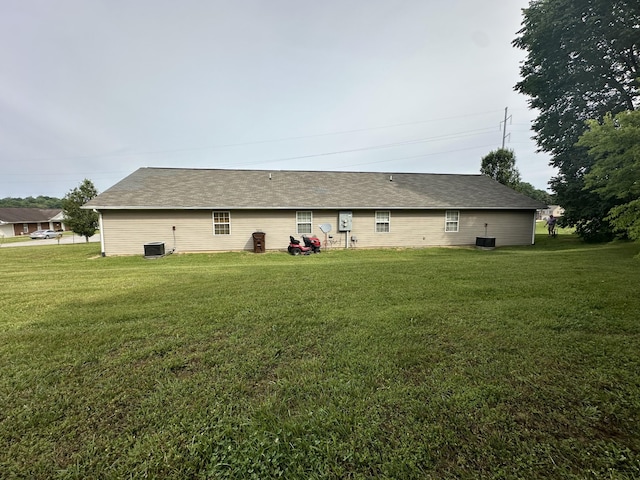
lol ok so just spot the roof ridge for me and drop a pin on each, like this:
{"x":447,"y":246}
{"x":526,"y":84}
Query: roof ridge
{"x":244,"y":170}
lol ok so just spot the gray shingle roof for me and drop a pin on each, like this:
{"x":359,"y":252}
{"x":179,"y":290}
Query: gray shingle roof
{"x":27,"y":215}
{"x":183,"y":188}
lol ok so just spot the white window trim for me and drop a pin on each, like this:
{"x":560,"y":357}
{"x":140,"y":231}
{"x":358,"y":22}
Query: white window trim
{"x":447,"y":221}
{"x":309,"y":223}
{"x":378,"y":222}
{"x":213,"y":218}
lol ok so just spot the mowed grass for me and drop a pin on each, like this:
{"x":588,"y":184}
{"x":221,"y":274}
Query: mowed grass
{"x":23,"y":238}
{"x":520,"y":362}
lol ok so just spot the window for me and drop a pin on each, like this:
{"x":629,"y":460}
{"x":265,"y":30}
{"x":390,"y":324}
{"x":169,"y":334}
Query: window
{"x":303,"y":222}
{"x":383,"y":221}
{"x":451,"y":221}
{"x":221,"y":223}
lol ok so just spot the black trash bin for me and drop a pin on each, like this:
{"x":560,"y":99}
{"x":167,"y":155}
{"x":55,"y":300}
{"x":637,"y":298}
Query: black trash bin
{"x":258,"y":242}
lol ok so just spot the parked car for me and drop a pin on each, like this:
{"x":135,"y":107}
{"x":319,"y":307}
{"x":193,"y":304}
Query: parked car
{"x":43,"y":234}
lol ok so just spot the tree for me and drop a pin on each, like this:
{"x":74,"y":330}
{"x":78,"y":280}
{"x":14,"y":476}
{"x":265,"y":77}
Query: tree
{"x":530,"y":191}
{"x":30,"y":202}
{"x":614,"y":145}
{"x":583,"y":61}
{"x":501,"y":166}
{"x":82,"y":222}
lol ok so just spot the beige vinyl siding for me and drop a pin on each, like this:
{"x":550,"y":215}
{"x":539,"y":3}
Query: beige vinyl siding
{"x":508,"y":227}
{"x":420,"y":228}
{"x":127,"y":231}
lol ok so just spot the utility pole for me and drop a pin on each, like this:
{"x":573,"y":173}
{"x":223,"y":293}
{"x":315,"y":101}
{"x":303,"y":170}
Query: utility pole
{"x":505,"y":135}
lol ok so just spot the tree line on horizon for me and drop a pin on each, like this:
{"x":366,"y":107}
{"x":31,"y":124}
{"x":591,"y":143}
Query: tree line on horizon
{"x":40,"y":201}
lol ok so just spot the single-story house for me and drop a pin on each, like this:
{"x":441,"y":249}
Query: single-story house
{"x":555,"y":210}
{"x":16,"y":221}
{"x":204,"y":210}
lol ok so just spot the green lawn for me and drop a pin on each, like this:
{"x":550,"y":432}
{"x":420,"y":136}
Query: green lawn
{"x":23,"y":238}
{"x":541,"y":229}
{"x":520,"y":362}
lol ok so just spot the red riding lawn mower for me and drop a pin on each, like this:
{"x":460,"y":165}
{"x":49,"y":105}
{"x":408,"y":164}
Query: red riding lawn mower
{"x":311,"y":245}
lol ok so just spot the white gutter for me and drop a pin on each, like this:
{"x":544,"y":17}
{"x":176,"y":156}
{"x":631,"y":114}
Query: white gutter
{"x":302,"y":207}
{"x":102,"y":251}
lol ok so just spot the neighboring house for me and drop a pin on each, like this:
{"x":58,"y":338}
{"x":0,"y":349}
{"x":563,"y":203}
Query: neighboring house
{"x":555,"y":210}
{"x":16,"y":221}
{"x":200,"y":210}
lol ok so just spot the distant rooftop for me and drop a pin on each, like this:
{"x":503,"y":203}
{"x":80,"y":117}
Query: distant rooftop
{"x":27,"y":215}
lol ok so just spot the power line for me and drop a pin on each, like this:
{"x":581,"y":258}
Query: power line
{"x":235,"y":164}
{"x":416,"y":156}
{"x":375,"y":147}
{"x":258,"y":142}
{"x":450,"y":136}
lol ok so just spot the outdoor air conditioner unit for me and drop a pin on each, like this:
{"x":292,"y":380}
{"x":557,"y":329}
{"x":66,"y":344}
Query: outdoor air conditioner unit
{"x":486,"y":242}
{"x":154,"y":249}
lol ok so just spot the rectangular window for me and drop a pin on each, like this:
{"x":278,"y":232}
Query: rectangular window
{"x":383,"y":221}
{"x":303,"y":222}
{"x":221,"y":223}
{"x":451,"y":221}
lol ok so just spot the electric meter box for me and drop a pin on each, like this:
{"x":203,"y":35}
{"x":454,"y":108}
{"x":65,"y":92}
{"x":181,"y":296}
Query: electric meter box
{"x":345,"y":221}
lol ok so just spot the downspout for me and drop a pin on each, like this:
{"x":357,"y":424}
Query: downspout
{"x":533,"y":230}
{"x":102,"y":252}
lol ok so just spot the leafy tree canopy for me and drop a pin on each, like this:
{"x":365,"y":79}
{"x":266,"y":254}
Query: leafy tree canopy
{"x":501,"y":166}
{"x":614,"y":145}
{"x":530,"y":191}
{"x":80,"y":221}
{"x":31,"y":202}
{"x":583,"y":61}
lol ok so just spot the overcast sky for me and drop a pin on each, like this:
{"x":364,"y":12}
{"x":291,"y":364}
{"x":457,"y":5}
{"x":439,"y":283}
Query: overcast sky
{"x":97,"y":89}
